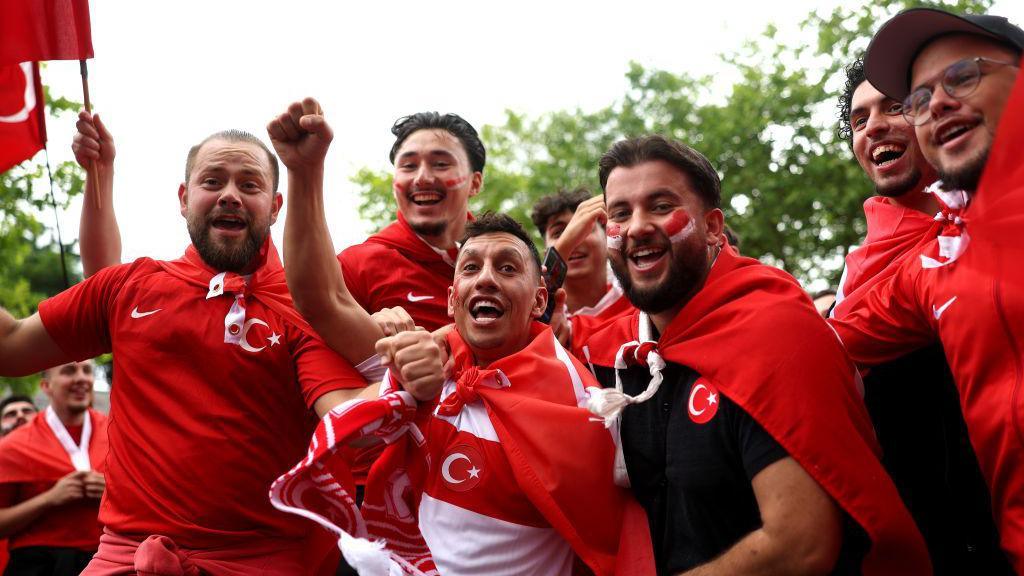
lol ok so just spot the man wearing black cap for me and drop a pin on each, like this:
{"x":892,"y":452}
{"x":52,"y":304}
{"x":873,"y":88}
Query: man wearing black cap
{"x":926,"y":450}
{"x":954,"y":76}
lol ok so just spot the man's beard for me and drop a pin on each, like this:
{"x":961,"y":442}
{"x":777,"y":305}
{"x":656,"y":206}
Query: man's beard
{"x":900,"y":187}
{"x":429,"y":229}
{"x":687,"y":270}
{"x":218,"y":256}
{"x":966,"y":177}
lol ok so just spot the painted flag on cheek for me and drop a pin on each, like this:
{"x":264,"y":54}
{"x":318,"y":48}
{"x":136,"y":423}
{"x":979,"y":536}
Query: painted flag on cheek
{"x":679,"y":226}
{"x":614,"y":236}
{"x":22,"y":129}
{"x":37,"y":30}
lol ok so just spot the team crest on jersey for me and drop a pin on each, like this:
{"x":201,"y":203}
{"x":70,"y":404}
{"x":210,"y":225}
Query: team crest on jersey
{"x":462,"y":468}
{"x":703,"y":403}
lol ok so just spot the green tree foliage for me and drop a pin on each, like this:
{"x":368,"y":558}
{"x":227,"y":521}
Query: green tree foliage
{"x":30,"y":267}
{"x":791,"y":189}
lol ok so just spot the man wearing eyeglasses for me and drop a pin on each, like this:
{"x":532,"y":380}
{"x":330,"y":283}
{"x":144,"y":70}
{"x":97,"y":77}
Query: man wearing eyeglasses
{"x":954,"y":76}
{"x":925,"y":450}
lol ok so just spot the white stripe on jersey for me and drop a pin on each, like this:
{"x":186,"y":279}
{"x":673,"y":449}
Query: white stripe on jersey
{"x":456,"y":537}
{"x":577,"y":382}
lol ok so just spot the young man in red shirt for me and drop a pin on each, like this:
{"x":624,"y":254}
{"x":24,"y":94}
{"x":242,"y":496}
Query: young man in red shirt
{"x":51,"y":478}
{"x":955,"y":75}
{"x":216,"y":374}
{"x":925,"y":450}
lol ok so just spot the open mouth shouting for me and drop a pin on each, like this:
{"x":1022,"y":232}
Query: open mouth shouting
{"x":231,"y":223}
{"x":954,"y":131}
{"x":887,"y":154}
{"x":485,"y":310}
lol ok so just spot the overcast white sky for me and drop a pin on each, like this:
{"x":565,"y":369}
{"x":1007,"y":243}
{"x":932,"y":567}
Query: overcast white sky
{"x":166,"y":74}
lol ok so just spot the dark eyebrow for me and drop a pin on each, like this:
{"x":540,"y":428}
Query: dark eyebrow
{"x":440,"y":152}
{"x":858,"y":110}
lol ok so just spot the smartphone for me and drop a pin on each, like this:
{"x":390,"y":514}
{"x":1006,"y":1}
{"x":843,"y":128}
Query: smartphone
{"x":554,"y":277}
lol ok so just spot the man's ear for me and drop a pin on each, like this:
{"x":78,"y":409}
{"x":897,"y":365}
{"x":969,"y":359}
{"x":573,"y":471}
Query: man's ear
{"x":183,"y":199}
{"x":540,"y":300}
{"x":475,"y":183}
{"x":714,"y":223}
{"x":276,"y":209}
{"x":451,"y":302}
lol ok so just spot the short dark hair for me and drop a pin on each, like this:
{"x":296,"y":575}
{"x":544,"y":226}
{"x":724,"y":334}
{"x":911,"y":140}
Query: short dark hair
{"x":633,"y":151}
{"x":496,"y":222}
{"x":15,"y":398}
{"x":854,"y":78}
{"x":451,"y":123}
{"x":232,"y":136}
{"x":554,"y":204}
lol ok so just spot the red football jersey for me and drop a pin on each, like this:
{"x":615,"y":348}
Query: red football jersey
{"x":395,"y":267}
{"x":210,"y":395}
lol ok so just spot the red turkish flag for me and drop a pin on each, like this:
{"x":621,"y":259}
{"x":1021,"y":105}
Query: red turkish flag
{"x":37,"y":30}
{"x":22,"y":127}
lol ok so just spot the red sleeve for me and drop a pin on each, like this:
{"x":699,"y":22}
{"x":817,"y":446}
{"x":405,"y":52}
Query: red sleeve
{"x":318,"y":368}
{"x":888,"y":322}
{"x":350,"y":269}
{"x":78,"y":318}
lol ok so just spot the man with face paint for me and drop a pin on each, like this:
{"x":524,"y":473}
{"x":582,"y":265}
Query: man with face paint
{"x":708,"y":384}
{"x":925,"y":450}
{"x":51,"y":478}
{"x":958,"y":79}
{"x":195,"y":444}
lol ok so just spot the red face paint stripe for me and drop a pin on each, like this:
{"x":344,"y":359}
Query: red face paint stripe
{"x":676,"y":222}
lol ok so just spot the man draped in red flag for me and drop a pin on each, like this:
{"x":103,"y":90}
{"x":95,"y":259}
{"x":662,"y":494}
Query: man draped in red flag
{"x":741,"y":429}
{"x":22,"y":112}
{"x":498,"y":470}
{"x":39,"y":30}
{"x":959,"y":79}
{"x":925,"y":450}
{"x":51,"y":478}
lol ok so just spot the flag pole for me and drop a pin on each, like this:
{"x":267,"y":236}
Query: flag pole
{"x":56,"y":219}
{"x":84,"y":69}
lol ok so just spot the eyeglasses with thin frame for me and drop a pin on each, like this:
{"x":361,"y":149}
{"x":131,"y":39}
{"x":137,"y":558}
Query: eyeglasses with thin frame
{"x":959,"y":80}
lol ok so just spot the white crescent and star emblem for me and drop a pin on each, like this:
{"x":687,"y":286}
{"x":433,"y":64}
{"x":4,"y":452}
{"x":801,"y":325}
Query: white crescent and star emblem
{"x":243,"y":342}
{"x":462,"y":477}
{"x":703,"y":403}
{"x":29,"y":99}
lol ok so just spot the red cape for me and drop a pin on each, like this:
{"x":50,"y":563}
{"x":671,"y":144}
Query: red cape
{"x":894,"y":233}
{"x":996,"y":213}
{"x":32,"y":453}
{"x":795,"y":380}
{"x":568,"y":477}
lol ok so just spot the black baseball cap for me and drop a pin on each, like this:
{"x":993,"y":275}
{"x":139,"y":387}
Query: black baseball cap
{"x":898,"y":42}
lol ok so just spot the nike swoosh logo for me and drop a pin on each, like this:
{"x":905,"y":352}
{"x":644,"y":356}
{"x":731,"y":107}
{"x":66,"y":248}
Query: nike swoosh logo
{"x":137,"y":314}
{"x":937,"y":312}
{"x":417,"y":298}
